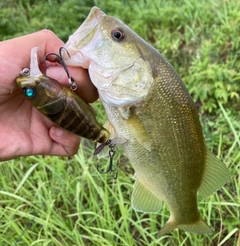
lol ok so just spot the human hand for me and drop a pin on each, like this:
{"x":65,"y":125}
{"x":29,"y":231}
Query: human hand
{"x":24,"y":130}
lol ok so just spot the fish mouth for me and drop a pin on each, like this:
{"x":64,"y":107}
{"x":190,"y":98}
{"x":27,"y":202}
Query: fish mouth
{"x":81,"y":37}
{"x":93,"y":18}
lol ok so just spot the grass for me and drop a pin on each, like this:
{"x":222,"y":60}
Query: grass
{"x":65,"y":201}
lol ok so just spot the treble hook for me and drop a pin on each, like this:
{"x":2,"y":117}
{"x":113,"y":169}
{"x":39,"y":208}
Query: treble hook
{"x":71,"y":81}
{"x":111,"y":153}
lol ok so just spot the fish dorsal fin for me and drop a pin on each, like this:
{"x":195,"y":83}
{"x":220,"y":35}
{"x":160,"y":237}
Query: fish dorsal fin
{"x":139,"y":131}
{"x":143,"y":199}
{"x":214,"y":177}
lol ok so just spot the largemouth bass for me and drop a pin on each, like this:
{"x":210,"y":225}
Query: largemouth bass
{"x":148,"y":105}
{"x":60,"y":104}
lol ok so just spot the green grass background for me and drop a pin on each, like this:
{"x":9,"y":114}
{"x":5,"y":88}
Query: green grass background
{"x":65,"y":201}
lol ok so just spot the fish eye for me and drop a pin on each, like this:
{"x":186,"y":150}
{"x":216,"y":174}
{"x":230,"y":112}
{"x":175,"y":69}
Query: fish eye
{"x":29,"y":92}
{"x":117,"y":34}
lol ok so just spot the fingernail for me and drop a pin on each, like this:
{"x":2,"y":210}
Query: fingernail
{"x":57,"y":131}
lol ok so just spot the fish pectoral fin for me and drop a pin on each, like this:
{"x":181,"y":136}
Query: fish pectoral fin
{"x":143,"y":199}
{"x":214,"y":177}
{"x":196,"y":227}
{"x":139,"y":131}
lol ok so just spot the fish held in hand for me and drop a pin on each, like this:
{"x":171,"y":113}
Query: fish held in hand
{"x":148,"y":105}
{"x":60,"y":104}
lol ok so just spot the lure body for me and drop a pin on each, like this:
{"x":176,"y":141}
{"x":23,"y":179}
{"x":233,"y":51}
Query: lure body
{"x":62,"y":106}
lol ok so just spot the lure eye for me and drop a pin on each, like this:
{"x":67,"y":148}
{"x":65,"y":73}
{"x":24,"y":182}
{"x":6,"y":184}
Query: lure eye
{"x":29,"y":92}
{"x":118,"y":34}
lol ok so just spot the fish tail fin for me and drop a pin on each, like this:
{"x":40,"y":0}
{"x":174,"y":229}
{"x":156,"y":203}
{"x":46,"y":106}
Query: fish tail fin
{"x":169,"y":226}
{"x":196,"y":227}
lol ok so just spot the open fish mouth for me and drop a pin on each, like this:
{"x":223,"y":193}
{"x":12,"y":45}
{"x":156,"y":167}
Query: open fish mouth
{"x":81,"y":37}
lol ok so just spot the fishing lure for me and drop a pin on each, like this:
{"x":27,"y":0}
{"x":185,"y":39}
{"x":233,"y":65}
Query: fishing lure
{"x":62,"y":106}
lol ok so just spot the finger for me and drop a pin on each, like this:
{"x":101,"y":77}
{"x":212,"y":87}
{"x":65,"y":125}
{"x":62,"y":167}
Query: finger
{"x":85,"y":89}
{"x":66,"y":143}
{"x":16,"y":53}
{"x":46,"y":40}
